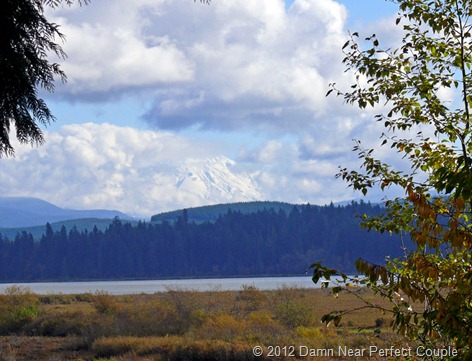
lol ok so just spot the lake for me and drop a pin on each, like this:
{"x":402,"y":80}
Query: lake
{"x":152,"y":286}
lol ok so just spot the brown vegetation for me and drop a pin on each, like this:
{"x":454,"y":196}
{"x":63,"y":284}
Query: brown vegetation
{"x":182,"y":325}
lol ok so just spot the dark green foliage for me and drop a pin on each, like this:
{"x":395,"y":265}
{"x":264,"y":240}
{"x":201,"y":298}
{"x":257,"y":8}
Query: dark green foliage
{"x":79,"y":224}
{"x":266,"y":242}
{"x":26,"y":40}
{"x":211,"y":213}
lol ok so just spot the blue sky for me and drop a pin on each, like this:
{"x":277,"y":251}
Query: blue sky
{"x":156,"y":84}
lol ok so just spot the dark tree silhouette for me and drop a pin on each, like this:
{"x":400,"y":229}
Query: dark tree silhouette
{"x":26,"y":38}
{"x":265,"y":242}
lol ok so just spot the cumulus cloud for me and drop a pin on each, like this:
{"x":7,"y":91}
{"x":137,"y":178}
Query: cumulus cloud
{"x":261,"y":66}
{"x":287,"y":172}
{"x":90,"y":166}
{"x":108,"y":52}
{"x":253,"y":66}
{"x":103,"y":166}
{"x":250,"y":65}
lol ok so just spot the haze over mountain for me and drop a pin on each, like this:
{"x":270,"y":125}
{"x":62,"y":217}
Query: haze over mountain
{"x":186,"y":184}
{"x":26,"y":212}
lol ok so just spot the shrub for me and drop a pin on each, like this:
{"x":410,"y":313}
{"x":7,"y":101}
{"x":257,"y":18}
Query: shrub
{"x":18,"y":307}
{"x":184,"y":304}
{"x":262,"y":328}
{"x":222,"y":327}
{"x":310,"y":332}
{"x":59,"y":325}
{"x":212,"y":350}
{"x":148,"y":318}
{"x":198,"y":318}
{"x":115,"y":346}
{"x":292,"y":314}
{"x":250,"y":299}
{"x":104,"y":303}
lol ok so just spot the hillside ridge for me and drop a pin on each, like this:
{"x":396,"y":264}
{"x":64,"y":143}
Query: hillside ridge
{"x":18,"y":212}
{"x":211,"y":212}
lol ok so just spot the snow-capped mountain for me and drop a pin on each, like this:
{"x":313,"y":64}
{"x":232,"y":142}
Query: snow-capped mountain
{"x":164,"y":186}
{"x":217,"y":180}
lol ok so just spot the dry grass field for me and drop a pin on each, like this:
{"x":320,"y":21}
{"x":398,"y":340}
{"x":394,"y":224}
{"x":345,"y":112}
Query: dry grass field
{"x":189,"y":325}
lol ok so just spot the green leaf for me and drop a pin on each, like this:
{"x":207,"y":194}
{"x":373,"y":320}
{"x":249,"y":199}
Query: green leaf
{"x":434,"y":137}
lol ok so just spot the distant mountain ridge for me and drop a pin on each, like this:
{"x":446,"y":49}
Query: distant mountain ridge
{"x":27,"y":212}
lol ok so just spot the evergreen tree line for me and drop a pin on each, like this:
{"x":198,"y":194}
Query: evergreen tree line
{"x":267,"y":242}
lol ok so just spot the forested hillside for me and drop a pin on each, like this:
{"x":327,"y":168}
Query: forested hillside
{"x":211,"y":213}
{"x":266,"y":242}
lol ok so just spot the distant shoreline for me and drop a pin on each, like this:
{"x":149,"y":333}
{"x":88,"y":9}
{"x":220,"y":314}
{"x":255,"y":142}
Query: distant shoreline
{"x":124,"y":287}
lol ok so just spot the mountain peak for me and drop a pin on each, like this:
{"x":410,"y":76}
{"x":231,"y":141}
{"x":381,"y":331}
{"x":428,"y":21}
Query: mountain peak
{"x":222,"y":160}
{"x":216,"y":180}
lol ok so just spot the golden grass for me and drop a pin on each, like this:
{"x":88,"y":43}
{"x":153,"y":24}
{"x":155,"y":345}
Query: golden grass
{"x":172,"y":348}
{"x":189,"y":325}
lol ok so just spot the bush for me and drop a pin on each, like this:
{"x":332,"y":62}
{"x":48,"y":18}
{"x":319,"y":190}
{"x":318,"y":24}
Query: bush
{"x":310,"y":332}
{"x":222,"y":327}
{"x":59,"y":325}
{"x":18,"y":307}
{"x":293,"y":314}
{"x":250,"y":299}
{"x":148,"y":318}
{"x":104,"y":303}
{"x":262,"y":328}
{"x":212,"y":350}
{"x":115,"y":346}
{"x":184,"y":304}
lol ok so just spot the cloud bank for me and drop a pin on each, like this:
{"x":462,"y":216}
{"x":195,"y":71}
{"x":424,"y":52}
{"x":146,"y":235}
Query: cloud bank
{"x":88,"y":165}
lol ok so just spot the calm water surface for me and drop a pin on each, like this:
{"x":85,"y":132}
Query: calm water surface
{"x":152,"y":286}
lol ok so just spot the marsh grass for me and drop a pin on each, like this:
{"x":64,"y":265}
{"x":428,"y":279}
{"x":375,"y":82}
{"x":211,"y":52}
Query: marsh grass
{"x":172,"y":348}
{"x":186,"y":325}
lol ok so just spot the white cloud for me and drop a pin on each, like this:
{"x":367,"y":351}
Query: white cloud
{"x":251,"y":66}
{"x":229,"y":65}
{"x":271,"y":152}
{"x":288,"y":172}
{"x":102,"y":166}
{"x":108,"y":51}
{"x":88,"y":165}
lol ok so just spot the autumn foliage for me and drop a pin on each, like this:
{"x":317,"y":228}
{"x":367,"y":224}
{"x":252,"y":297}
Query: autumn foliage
{"x":430,"y":287}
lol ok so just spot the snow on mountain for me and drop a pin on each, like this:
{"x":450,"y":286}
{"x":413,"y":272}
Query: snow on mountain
{"x":164,"y":186}
{"x":217,"y":180}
